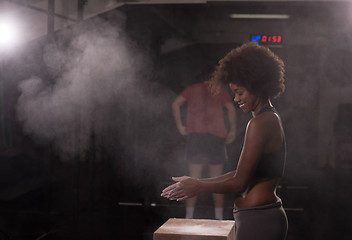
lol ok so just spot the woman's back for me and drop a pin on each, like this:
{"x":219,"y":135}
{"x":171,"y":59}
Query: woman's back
{"x":270,"y":166}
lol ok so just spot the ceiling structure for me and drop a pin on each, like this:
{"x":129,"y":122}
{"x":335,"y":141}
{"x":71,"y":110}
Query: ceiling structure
{"x":190,"y":20}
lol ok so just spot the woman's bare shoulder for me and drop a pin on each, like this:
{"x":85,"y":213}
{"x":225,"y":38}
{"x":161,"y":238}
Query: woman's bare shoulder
{"x":264,"y":124}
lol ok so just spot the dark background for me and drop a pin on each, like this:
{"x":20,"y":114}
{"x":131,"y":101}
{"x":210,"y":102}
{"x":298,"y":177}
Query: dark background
{"x":109,"y":188}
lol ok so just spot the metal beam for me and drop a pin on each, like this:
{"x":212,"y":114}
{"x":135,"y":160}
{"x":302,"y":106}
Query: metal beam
{"x":51,"y":18}
{"x":80,"y":9}
{"x":20,"y":3}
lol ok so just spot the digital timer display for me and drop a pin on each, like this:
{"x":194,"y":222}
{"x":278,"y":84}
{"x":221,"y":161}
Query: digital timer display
{"x":277,"y":39}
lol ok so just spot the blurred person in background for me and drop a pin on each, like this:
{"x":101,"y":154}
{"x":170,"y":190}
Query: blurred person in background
{"x":206,"y":132}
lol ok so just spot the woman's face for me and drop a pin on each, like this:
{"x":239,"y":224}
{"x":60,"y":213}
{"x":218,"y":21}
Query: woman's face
{"x":246,"y":101}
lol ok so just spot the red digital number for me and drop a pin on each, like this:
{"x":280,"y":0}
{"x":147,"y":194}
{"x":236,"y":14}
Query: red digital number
{"x":268,"y":38}
{"x":278,"y":39}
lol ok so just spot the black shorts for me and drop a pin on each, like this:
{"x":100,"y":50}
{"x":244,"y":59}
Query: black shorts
{"x":204,"y":148}
{"x":262,"y":222}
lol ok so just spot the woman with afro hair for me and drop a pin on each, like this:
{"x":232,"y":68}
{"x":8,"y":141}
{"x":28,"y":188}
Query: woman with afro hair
{"x":256,"y":75}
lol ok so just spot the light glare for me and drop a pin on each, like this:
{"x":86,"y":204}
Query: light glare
{"x":8,"y":34}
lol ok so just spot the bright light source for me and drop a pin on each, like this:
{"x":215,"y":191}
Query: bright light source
{"x":9,"y":33}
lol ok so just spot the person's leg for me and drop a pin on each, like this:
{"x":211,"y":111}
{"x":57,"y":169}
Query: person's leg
{"x":195,"y":170}
{"x":216,"y":170}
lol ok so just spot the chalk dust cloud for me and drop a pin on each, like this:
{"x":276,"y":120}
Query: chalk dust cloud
{"x":98,"y":80}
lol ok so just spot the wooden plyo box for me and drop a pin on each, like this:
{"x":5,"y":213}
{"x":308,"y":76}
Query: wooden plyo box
{"x":196,"y":229}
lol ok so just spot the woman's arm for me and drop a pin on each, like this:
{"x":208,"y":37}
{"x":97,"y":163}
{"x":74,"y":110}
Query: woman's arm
{"x":231,"y":113}
{"x":176,"y":110}
{"x":252,"y":149}
{"x":220,"y":178}
{"x":166,"y":192}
